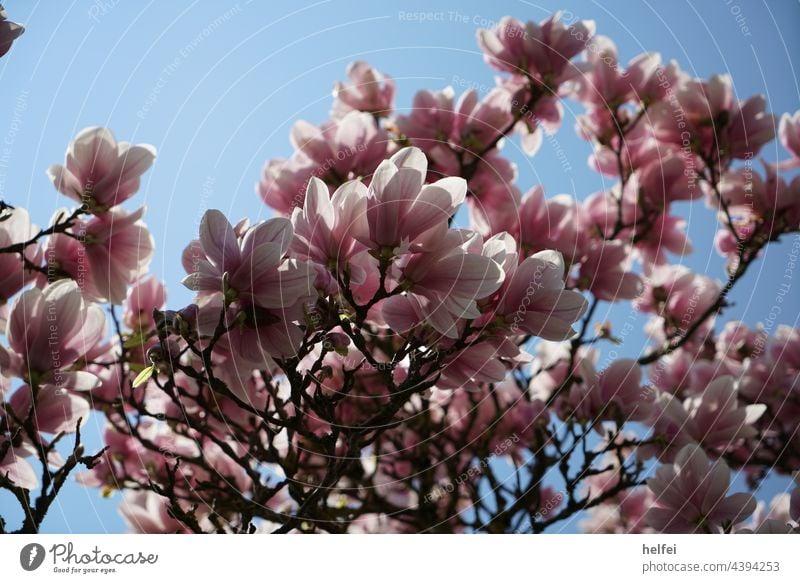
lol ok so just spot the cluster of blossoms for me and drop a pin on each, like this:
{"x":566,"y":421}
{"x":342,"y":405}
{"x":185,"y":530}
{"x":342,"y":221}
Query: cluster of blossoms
{"x":361,"y":362}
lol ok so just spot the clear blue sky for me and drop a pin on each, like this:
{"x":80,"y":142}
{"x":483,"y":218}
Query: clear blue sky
{"x":232,"y":77}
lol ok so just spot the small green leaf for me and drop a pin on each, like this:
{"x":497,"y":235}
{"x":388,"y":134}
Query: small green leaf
{"x":144,"y":376}
{"x":135,"y":340}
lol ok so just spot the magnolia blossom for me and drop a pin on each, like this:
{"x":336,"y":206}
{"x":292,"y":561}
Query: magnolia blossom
{"x":431,"y":119}
{"x":747,"y":194}
{"x":542,"y":50}
{"x":605,"y":271}
{"x":16,"y":227}
{"x":146,"y":512}
{"x":680,"y":297}
{"x":346,"y":148}
{"x":719,"y":125}
{"x":607,"y":84}
{"x":16,"y":468}
{"x":48,"y":331}
{"x":775,"y":519}
{"x":9,"y":32}
{"x":712,"y":419}
{"x":146,"y":295}
{"x":533,"y":299}
{"x":283,"y":183}
{"x":103,"y":255}
{"x":691,"y":496}
{"x":664,"y":180}
{"x":615,"y":394}
{"x":326,"y":227}
{"x":54,"y":409}
{"x":478,"y":122}
{"x":99,"y":172}
{"x":557,"y":223}
{"x":442,"y":286}
{"x":365,"y":343}
{"x":789,"y":134}
{"x":250,"y":266}
{"x":625,"y":514}
{"x":402,"y":211}
{"x":370,"y":91}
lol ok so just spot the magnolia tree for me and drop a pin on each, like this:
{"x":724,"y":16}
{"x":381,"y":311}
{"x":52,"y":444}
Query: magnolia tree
{"x":362,"y":363}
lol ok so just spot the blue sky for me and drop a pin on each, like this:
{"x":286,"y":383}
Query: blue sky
{"x":216,"y":85}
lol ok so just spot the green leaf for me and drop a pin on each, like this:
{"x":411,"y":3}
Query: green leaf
{"x":135,"y":340}
{"x":144,"y":376}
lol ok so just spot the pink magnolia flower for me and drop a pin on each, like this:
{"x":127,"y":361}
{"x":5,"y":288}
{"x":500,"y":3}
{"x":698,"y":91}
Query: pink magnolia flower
{"x":605,"y":271}
{"x":99,"y":172}
{"x":663,"y":181}
{"x":542,"y":50}
{"x":104,"y":254}
{"x":533,"y":299}
{"x":119,"y":248}
{"x":348,"y":148}
{"x":480,"y":122}
{"x":718,"y":124}
{"x":16,"y":228}
{"x":615,"y":394}
{"x":712,"y":418}
{"x":789,"y":134}
{"x":478,"y":364}
{"x":55,"y":409}
{"x":442,"y":286}
{"x":256,"y":335}
{"x":16,"y":468}
{"x":749,"y":195}
{"x":48,"y":331}
{"x":431,"y":119}
{"x":254,"y":265}
{"x":325,"y":229}
{"x":9,"y":32}
{"x":691,"y":496}
{"x":144,"y":296}
{"x":679,"y":296}
{"x":403,"y":213}
{"x":556,"y":223}
{"x":370,"y":91}
{"x":608,"y":85}
{"x":738,"y":342}
{"x":771,"y":374}
{"x":776,"y":519}
{"x":145,"y":512}
{"x":625,"y":514}
{"x":494,"y":200}
{"x":666,"y":233}
{"x":283,"y":183}
{"x":716,"y":419}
